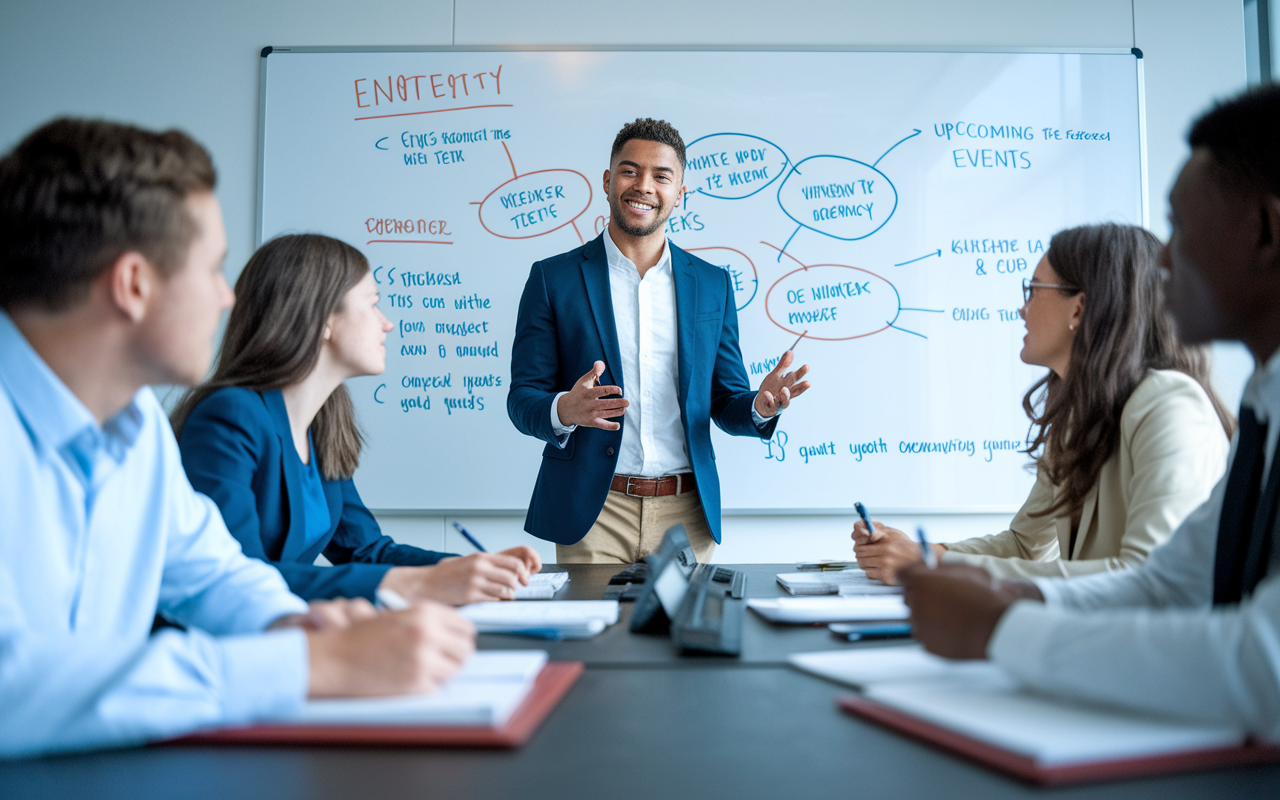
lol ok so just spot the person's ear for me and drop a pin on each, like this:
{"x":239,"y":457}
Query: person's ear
{"x":606,"y":183}
{"x":1077,"y":312}
{"x":131,"y":283}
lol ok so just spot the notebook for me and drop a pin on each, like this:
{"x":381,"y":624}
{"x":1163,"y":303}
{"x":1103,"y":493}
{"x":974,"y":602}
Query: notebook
{"x":810,"y":610}
{"x":490,"y":686}
{"x":561,"y":619}
{"x":848,"y":581}
{"x":499,"y":699}
{"x":542,"y":586}
{"x":975,"y":709}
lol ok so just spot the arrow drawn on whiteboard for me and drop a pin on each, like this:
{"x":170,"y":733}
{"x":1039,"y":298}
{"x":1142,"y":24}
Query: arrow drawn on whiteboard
{"x":904,"y":330}
{"x":900,"y":141}
{"x":937,"y":252}
{"x":378,"y":144}
{"x":789,"y":238}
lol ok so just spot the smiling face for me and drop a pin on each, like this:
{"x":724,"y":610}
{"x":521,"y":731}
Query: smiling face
{"x":355,"y":333}
{"x":1051,"y":317}
{"x":643,"y":185}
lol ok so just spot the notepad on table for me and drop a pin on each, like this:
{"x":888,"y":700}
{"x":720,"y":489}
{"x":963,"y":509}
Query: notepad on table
{"x":975,"y":709}
{"x":810,"y":610}
{"x":848,"y":581}
{"x":489,"y":687}
{"x":567,"y":619}
{"x":542,"y":586}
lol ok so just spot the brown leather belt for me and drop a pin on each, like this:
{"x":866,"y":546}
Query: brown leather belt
{"x":636,"y":486}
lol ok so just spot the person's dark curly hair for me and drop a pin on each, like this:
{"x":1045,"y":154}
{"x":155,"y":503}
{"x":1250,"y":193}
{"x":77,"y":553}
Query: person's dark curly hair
{"x":650,"y":130}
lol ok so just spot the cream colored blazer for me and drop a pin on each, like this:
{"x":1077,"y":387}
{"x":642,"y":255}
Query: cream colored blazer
{"x":1172,"y":451}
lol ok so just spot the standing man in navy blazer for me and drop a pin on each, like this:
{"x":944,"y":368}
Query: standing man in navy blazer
{"x":656,"y":332}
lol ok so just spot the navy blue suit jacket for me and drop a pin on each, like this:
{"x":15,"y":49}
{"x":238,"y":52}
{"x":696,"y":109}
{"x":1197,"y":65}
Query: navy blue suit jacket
{"x":565,"y":325}
{"x":237,"y":448}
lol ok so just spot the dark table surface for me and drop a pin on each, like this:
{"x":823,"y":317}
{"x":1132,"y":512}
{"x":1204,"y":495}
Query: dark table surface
{"x":642,"y":722}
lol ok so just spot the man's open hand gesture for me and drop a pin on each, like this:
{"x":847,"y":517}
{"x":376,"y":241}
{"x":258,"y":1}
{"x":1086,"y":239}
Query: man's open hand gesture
{"x":779,"y":387}
{"x":587,"y":404}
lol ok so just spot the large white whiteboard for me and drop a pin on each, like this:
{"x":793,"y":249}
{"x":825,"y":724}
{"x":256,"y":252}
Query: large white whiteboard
{"x":888,"y":203}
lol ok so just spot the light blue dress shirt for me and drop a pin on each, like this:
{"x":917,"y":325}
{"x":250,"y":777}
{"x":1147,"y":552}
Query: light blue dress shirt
{"x":99,"y":529}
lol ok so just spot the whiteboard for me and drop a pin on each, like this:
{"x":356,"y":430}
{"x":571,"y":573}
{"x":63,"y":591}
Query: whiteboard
{"x":885,"y":204}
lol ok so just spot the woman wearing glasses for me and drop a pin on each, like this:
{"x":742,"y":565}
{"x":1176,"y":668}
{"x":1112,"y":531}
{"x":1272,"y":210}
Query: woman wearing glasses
{"x":1127,"y":434}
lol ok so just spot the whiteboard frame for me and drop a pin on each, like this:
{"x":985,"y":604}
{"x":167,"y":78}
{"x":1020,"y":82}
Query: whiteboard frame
{"x":266,"y":52}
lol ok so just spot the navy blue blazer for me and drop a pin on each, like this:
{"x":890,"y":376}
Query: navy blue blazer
{"x":565,"y":324}
{"x":237,"y":448}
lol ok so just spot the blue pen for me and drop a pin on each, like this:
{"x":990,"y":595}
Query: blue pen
{"x":926,"y":551}
{"x":866,"y":519}
{"x":467,"y":535}
{"x":551,"y":634}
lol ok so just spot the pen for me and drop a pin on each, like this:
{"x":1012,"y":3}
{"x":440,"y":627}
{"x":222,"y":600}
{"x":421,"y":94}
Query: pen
{"x":797,"y":341}
{"x":467,"y":534}
{"x":866,"y":520}
{"x":930,"y":559}
{"x":390,"y":600}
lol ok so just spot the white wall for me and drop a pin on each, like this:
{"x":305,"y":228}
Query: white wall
{"x":159,"y":63}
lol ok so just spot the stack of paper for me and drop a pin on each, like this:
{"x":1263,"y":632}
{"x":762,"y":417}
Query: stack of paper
{"x":848,"y":581}
{"x":978,"y":700}
{"x":560,"y":619}
{"x":488,"y":689}
{"x":809,"y":610}
{"x":542,"y":586}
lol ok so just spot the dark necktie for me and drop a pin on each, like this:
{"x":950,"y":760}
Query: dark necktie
{"x":1248,"y":515}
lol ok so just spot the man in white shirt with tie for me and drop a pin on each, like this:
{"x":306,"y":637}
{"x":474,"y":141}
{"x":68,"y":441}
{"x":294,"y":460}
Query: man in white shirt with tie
{"x":658,"y":328}
{"x":1193,"y":632}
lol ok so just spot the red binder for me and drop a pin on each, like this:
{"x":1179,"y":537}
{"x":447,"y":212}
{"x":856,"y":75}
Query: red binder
{"x":552,"y":683}
{"x":1029,"y":770}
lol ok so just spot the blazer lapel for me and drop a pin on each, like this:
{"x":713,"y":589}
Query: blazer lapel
{"x":595,"y":274}
{"x":295,"y":538}
{"x":1087,"y":513}
{"x":686,"y":301}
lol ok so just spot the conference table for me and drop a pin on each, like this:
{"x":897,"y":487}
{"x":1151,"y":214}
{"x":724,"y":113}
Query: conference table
{"x":643,"y":721}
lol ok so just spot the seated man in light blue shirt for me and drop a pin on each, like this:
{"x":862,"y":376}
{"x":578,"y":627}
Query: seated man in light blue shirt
{"x":111,"y":249}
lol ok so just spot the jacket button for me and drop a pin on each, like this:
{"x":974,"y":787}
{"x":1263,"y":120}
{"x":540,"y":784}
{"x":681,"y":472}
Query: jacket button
{"x":608,"y":451}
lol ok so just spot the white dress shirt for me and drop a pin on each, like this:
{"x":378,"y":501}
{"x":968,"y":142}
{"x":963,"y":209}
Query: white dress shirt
{"x":100,"y":530}
{"x":1149,"y":638}
{"x":644,"y":312}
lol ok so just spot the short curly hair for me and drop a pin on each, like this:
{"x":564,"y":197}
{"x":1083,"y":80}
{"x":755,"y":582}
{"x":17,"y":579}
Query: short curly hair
{"x":1240,"y":134}
{"x":650,"y":130}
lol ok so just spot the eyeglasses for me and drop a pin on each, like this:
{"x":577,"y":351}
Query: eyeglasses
{"x":1029,"y":289}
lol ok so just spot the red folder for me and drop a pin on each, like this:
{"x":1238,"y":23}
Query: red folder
{"x":1029,"y":770}
{"x":552,"y":683}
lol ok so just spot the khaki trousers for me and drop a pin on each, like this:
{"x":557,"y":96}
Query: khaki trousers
{"x":630,"y":528}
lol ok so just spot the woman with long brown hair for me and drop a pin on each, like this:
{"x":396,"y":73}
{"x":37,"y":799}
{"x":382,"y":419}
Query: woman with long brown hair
{"x":1127,"y":434}
{"x":272,"y":438}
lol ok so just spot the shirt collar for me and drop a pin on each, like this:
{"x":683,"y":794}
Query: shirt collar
{"x":617,"y":259}
{"x":52,"y":414}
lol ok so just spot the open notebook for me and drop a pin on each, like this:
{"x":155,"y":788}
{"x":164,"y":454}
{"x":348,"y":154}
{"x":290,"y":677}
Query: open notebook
{"x":848,"y":608}
{"x":542,"y":586}
{"x":498,"y":699}
{"x":559,"y":619}
{"x":975,"y":709}
{"x":488,"y":688}
{"x":845,"y":581}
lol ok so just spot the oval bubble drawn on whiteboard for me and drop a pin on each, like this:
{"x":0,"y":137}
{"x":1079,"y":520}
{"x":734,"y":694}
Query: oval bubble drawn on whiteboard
{"x":833,"y":302}
{"x":838,"y":197}
{"x":535,"y":203}
{"x":743,"y":278}
{"x":731,"y":166}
